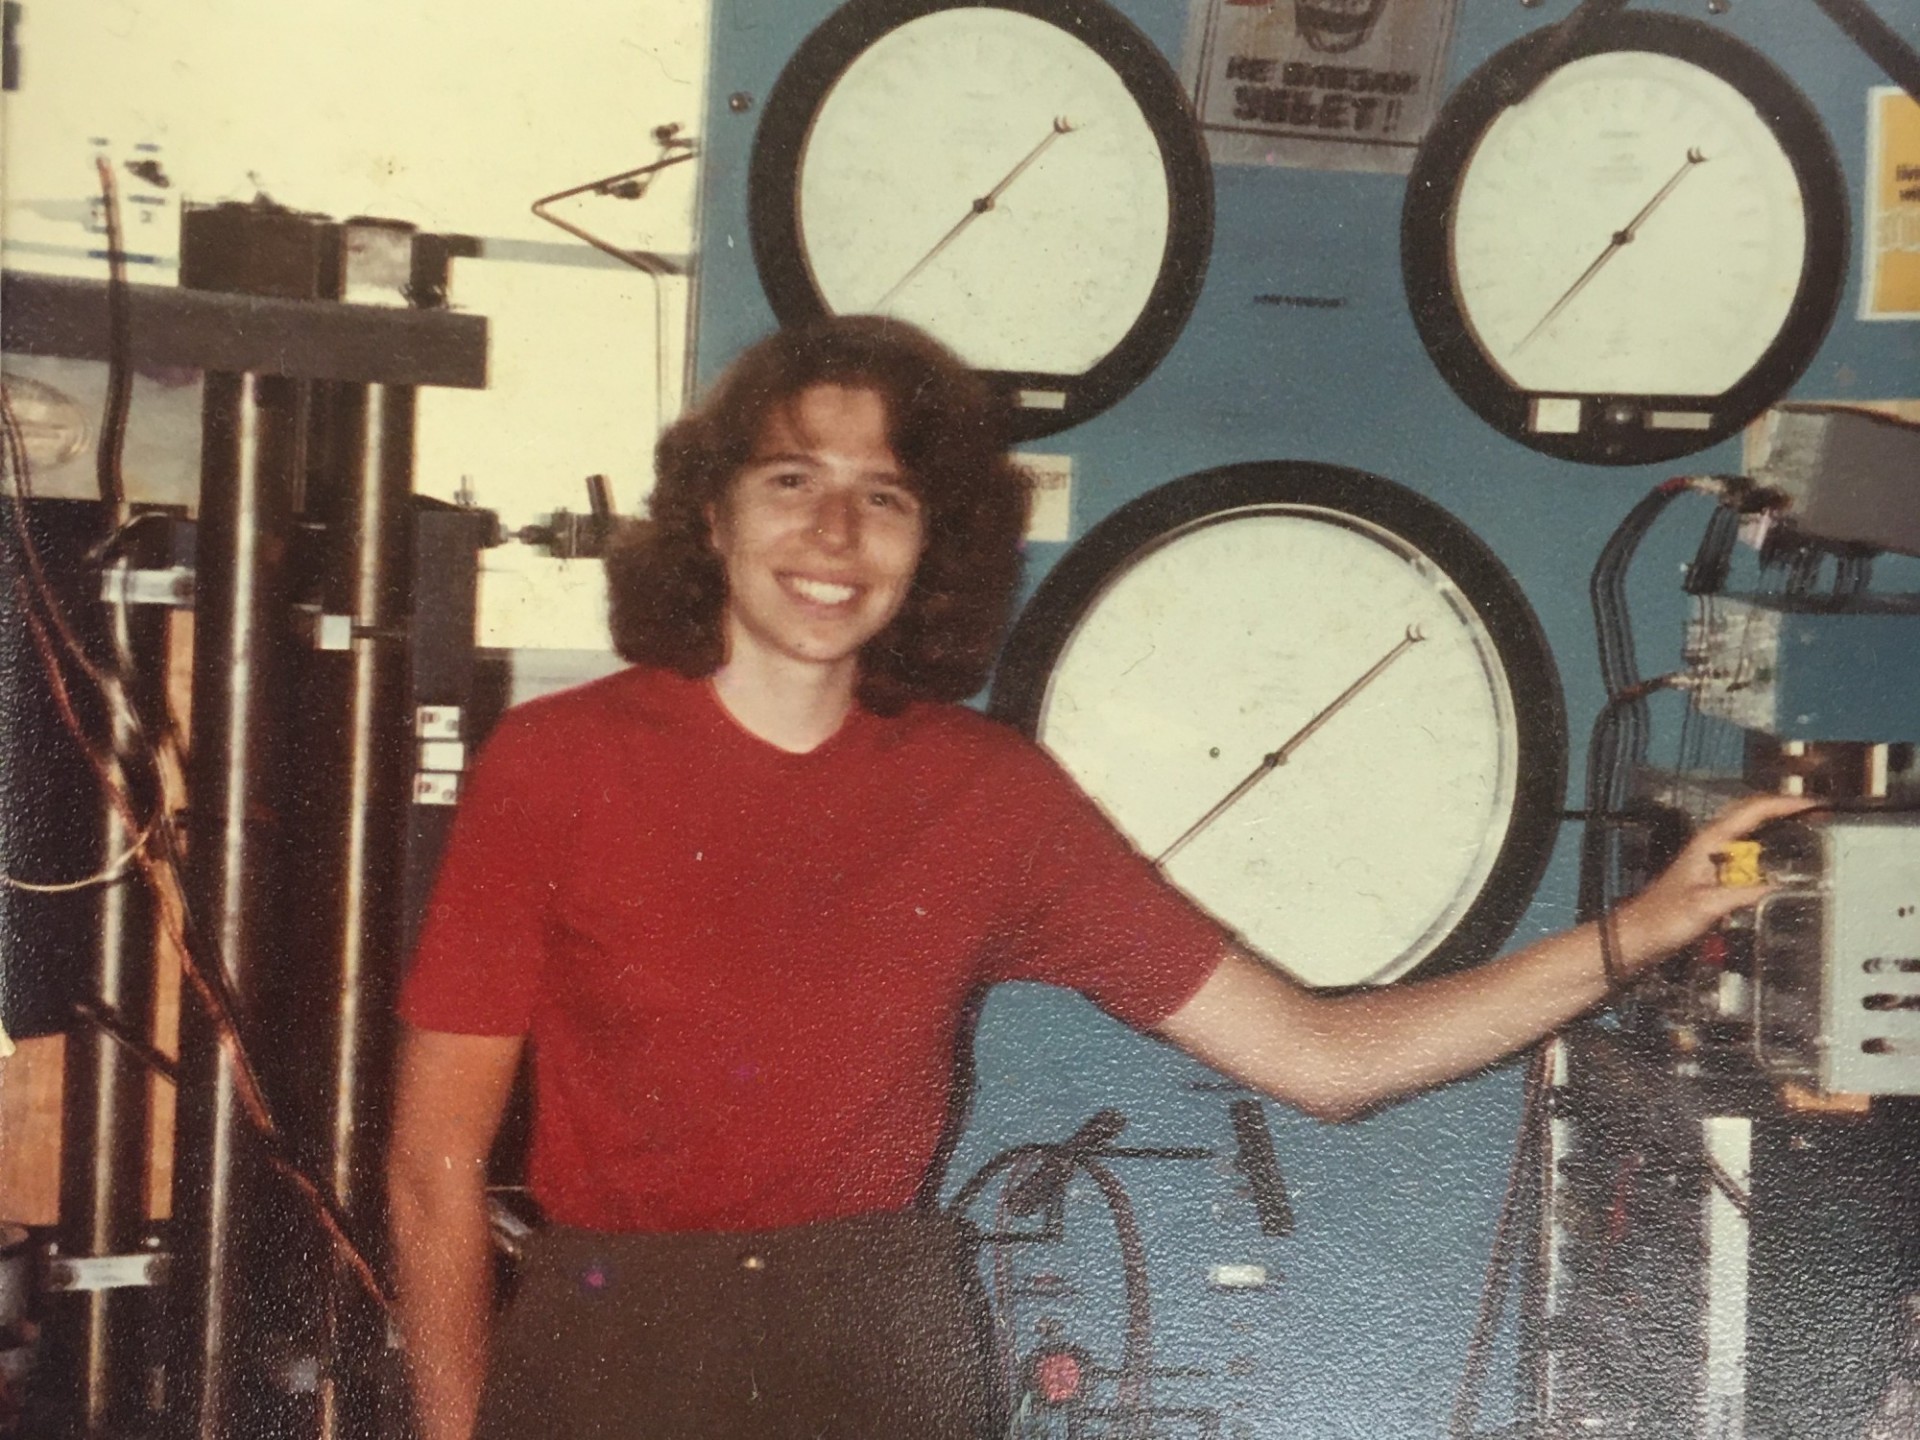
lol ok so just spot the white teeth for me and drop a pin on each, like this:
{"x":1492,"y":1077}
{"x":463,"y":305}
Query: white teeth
{"x":820,"y":591}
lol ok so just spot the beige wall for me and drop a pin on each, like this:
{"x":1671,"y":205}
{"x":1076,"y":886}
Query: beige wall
{"x":446,"y":113}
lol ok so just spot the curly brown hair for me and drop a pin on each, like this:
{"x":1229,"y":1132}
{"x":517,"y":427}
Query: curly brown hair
{"x":667,"y":586}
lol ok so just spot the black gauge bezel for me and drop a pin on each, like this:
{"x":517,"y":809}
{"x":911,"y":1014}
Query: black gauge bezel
{"x":1075,"y":585}
{"x":773,"y":210}
{"x":1613,"y":429}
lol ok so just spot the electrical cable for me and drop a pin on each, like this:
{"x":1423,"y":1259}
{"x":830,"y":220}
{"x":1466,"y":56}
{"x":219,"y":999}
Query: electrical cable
{"x":1853,"y":578}
{"x":113,"y":425}
{"x":1535,"y":1117}
{"x":1080,"y":1153}
{"x":1671,"y":1117}
{"x":1136,"y":1353}
{"x":1004,"y":1329}
{"x":1803,"y":571}
{"x":1607,"y":588}
{"x":1620,"y":733}
{"x":1617,"y":748}
{"x":1721,"y":652}
{"x":110,"y":873}
{"x":33,"y":586}
{"x":1713,"y":561}
{"x":1610,"y":756}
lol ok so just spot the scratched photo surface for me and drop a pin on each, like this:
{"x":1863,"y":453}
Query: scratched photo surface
{"x":1414,"y":558}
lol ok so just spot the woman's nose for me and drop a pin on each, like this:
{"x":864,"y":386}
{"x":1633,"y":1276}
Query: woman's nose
{"x":836,"y":522}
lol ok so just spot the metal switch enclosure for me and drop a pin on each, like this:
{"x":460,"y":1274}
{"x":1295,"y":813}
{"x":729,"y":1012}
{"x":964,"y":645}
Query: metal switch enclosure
{"x":1838,"y":960}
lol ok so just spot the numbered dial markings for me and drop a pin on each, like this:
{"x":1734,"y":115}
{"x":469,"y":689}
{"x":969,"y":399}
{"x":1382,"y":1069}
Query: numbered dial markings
{"x":1658,"y":184}
{"x":1626,"y":258}
{"x":1048,"y":273}
{"x":1021,"y":178}
{"x":1406,"y":828}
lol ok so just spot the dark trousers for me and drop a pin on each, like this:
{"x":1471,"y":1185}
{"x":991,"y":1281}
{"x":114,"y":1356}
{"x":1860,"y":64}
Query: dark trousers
{"x":870,"y":1328}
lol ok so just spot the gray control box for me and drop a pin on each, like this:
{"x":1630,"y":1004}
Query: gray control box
{"x":1849,"y":476}
{"x":1837,"y":955}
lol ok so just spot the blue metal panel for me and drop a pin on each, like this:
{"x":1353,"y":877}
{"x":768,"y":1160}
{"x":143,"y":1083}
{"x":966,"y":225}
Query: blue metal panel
{"x":1802,"y":672}
{"x":1365,"y":1330}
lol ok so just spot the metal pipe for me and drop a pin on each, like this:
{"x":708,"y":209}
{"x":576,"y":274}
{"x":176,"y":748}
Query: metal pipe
{"x":252,"y":446}
{"x":104,"y":1109}
{"x":362,"y":800}
{"x":1878,"y":40}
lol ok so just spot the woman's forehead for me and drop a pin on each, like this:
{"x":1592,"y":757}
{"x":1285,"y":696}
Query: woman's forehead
{"x":846,"y":422}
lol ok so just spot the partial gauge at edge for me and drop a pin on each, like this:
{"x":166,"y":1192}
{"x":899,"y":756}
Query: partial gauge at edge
{"x":1022,"y":178}
{"x":1197,"y":629}
{"x":1635,"y":260}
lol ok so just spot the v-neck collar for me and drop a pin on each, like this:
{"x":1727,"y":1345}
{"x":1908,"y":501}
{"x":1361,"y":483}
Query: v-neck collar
{"x":723,"y":721}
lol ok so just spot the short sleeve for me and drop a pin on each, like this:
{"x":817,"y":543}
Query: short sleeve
{"x":1093,"y":914}
{"x":484,"y":940}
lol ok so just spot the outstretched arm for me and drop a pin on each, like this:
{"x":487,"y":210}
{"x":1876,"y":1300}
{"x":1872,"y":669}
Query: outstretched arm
{"x":451,"y":1095}
{"x":1335,"y":1056}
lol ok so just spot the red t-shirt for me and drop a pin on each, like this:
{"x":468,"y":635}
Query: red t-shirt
{"x":741,"y":970}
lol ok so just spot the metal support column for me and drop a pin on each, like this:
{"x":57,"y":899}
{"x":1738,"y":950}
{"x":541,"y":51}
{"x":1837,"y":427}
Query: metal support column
{"x":361,"y":793}
{"x":251,"y":463}
{"x":105,"y":1136}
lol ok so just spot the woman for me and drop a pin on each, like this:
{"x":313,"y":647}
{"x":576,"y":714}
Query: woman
{"x":736,"y":900}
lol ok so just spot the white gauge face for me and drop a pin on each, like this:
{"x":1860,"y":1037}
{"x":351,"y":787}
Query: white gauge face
{"x":1349,"y":863}
{"x":988,"y":177}
{"x":1633,"y":227}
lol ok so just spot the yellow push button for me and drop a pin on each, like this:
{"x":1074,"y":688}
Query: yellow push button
{"x":1740,"y":863}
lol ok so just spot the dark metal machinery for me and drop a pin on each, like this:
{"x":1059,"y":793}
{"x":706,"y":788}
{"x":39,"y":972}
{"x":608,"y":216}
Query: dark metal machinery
{"x":91,"y":947}
{"x":300,"y":788}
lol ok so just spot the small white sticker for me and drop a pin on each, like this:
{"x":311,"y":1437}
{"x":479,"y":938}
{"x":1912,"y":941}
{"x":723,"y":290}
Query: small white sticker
{"x":443,"y":755}
{"x":436,"y":788}
{"x":1555,"y":415}
{"x":333,"y":632}
{"x":1052,"y":515}
{"x":437,"y":722}
{"x":1679,"y":420}
{"x":1237,"y":1277}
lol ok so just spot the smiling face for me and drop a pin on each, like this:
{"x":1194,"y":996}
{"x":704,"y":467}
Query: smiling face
{"x":819,"y":534}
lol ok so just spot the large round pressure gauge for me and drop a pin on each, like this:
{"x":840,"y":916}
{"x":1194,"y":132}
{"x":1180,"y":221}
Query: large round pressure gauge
{"x":1319,"y":700}
{"x":1022,"y":178}
{"x":1634,"y":258}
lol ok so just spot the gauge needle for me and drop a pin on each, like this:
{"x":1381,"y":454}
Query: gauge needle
{"x":1621,"y":239}
{"x":1279,"y":757}
{"x":1061,"y":125}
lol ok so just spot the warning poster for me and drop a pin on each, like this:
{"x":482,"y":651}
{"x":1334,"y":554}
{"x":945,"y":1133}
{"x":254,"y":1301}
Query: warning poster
{"x":1317,"y":84}
{"x":1892,"y":233}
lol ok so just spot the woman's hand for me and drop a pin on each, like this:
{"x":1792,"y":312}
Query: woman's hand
{"x":1687,"y":900}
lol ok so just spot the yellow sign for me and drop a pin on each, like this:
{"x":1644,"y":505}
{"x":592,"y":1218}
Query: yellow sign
{"x":1892,"y":288}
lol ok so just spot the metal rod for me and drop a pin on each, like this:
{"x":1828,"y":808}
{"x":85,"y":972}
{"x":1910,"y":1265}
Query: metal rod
{"x":1881,"y":43}
{"x":361,"y":806}
{"x":1136,"y":1352}
{"x":1279,"y":757}
{"x":97,"y":1335}
{"x":632,"y":185}
{"x":251,"y":458}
